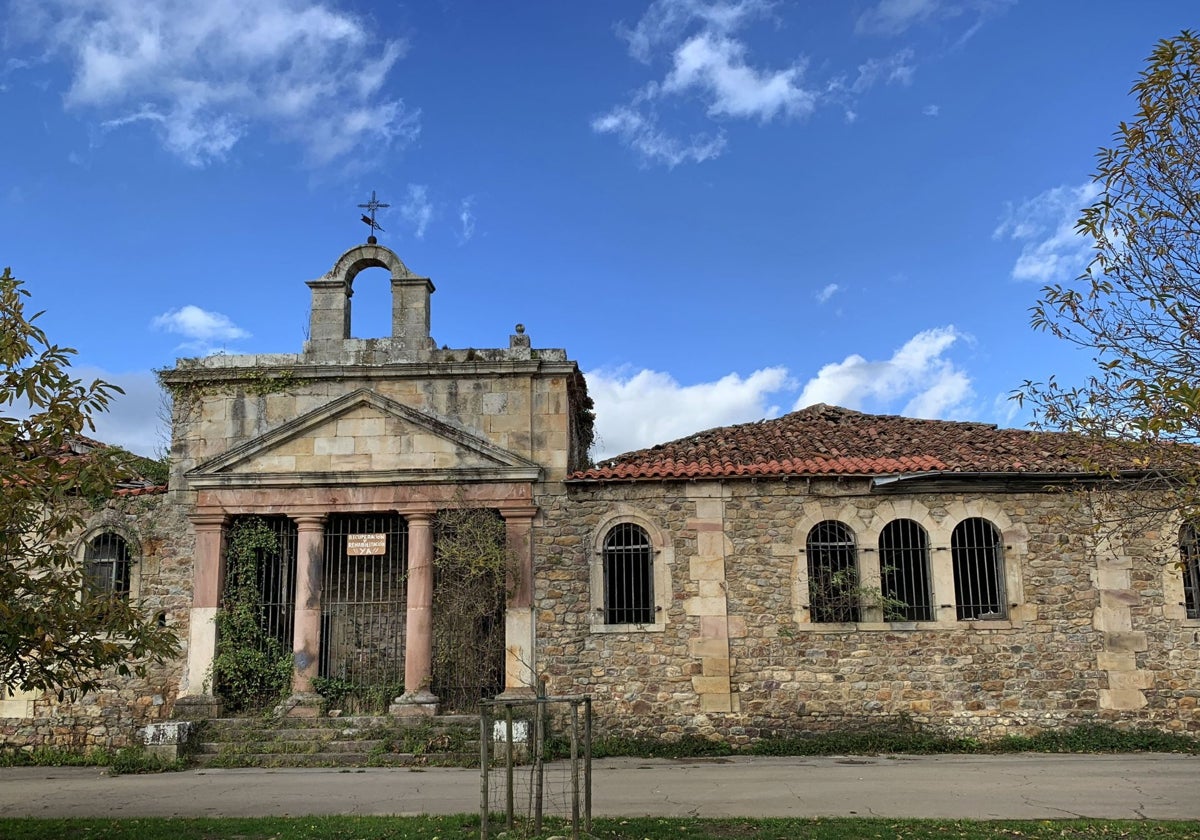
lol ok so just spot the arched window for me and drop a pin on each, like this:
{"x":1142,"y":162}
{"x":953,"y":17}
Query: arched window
{"x":1189,"y":555}
{"x":978,"y":555}
{"x":904,"y":571}
{"x":628,"y":575}
{"x":106,"y":566}
{"x":832,"y":572}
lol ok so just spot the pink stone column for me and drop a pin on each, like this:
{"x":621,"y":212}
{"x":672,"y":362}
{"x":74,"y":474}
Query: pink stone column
{"x":306,"y":637}
{"x":418,"y":640}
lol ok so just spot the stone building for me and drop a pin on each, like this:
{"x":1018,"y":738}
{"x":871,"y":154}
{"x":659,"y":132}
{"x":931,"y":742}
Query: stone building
{"x":825,"y":569}
{"x":832,"y":568}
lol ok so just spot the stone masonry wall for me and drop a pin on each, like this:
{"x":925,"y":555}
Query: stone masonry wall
{"x":1090,"y":636}
{"x":160,"y":542}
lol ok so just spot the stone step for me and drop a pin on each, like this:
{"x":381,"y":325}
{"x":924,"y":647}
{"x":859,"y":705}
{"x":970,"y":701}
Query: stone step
{"x":343,"y":741}
{"x":334,"y":759}
{"x":287,"y":747}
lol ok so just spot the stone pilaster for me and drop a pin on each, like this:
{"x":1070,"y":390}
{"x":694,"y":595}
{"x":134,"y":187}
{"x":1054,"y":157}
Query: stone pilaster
{"x":519,"y":651}
{"x":709,"y":607}
{"x":1126,"y":682}
{"x":207,"y":581}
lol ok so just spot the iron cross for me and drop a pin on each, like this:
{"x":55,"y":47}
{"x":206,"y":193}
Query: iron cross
{"x":373,"y":205}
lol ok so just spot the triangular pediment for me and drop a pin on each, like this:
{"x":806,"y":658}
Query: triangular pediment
{"x":362,"y":438}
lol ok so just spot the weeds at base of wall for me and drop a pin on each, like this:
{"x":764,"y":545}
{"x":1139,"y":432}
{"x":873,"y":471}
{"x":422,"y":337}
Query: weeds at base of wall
{"x":123,"y":761}
{"x":905,"y":738}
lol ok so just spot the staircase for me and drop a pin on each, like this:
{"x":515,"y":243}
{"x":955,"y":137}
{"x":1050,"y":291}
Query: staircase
{"x":375,"y":741}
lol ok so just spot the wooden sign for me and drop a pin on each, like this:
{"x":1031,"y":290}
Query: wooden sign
{"x":361,"y":545}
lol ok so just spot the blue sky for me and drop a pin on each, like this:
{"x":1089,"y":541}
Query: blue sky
{"x":723,"y":209}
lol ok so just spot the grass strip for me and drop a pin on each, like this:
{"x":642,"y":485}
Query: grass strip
{"x":646,"y":828}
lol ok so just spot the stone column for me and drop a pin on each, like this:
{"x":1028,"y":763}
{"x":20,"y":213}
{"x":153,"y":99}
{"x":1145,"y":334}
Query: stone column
{"x":306,"y":635}
{"x":418,"y":636}
{"x":520,"y":673}
{"x":208,"y":578}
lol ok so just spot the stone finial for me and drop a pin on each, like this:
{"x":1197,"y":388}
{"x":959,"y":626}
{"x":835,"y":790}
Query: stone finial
{"x":518,"y":339}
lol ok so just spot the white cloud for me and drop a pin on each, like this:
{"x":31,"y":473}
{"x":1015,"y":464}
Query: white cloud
{"x":715,"y":68}
{"x":1051,"y":249}
{"x":895,"y":17}
{"x":206,"y":331}
{"x":829,"y":291}
{"x":896,"y":69}
{"x":206,"y":75}
{"x":919,"y":373}
{"x":466,"y":219}
{"x":640,"y":132}
{"x":932,"y":110}
{"x":706,"y":60}
{"x":634,"y":410}
{"x":416,"y":209}
{"x":708,"y":64}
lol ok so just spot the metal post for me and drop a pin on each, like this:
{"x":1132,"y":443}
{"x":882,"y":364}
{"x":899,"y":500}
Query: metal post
{"x":587,"y":764}
{"x":574,"y":770}
{"x":508,"y":766}
{"x":483,"y":772}
{"x":538,"y":763}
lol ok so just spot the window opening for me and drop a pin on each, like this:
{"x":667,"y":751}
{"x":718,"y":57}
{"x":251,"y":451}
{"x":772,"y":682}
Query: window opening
{"x":978,"y":557}
{"x":904,"y":571}
{"x":832,"y":573}
{"x":1189,"y":552}
{"x":628,"y":576}
{"x":106,"y":566}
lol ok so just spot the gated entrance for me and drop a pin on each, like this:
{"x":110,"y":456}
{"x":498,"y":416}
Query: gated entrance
{"x":363,"y":609}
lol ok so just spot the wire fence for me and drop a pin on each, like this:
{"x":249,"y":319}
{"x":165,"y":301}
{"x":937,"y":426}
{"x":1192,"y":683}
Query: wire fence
{"x":535,"y":761}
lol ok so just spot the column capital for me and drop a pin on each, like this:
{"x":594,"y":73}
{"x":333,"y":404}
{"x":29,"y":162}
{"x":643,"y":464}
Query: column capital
{"x":518,"y":513}
{"x":208,"y":521}
{"x":309,"y":521}
{"x":420,"y":516}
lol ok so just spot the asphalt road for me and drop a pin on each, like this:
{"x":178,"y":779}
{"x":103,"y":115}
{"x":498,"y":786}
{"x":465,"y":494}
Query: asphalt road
{"x":981,"y":787}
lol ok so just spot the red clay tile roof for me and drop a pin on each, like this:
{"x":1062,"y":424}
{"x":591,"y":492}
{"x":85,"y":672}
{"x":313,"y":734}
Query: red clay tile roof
{"x":828,"y":440}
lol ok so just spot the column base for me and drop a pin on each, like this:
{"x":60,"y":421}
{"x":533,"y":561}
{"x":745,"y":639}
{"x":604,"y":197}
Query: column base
{"x":197,"y":707}
{"x":304,"y":704}
{"x":421,"y":703}
{"x":520,"y":692}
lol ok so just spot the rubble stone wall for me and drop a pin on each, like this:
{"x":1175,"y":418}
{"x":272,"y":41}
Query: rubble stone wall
{"x":1094,"y":632}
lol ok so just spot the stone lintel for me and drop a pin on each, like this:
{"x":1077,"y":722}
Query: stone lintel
{"x":710,"y":685}
{"x":706,"y":568}
{"x":1122,"y":699}
{"x":1124,"y":680}
{"x":1108,"y":661}
{"x":714,"y":605}
{"x":702,"y":648}
{"x":1116,"y":642}
{"x":719,"y":702}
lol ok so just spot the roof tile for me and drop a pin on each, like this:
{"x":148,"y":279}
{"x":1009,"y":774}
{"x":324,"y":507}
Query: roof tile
{"x":828,"y":440}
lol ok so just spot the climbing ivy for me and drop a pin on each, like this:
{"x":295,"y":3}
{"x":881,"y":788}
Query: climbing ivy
{"x":251,"y":669}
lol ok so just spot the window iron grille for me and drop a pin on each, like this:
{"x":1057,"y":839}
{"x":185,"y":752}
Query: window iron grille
{"x":904,"y":571}
{"x":106,"y":566}
{"x":628,"y":575}
{"x":832,"y":573}
{"x":1189,"y":551}
{"x":978,"y":556}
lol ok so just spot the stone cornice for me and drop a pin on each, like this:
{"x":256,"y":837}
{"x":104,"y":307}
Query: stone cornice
{"x":299,"y":367}
{"x":211,"y":481}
